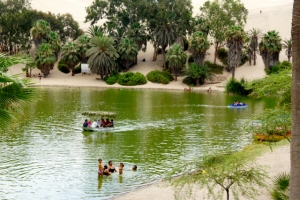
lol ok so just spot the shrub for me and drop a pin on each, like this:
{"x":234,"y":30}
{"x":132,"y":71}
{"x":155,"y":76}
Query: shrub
{"x":274,"y":69}
{"x":131,"y":79}
{"x":157,"y":77}
{"x":236,"y":87}
{"x":112,"y":79}
{"x":286,"y":65}
{"x":77,"y":70}
{"x":189,"y":81}
{"x":63,"y":67}
{"x":215,"y":68}
{"x":191,"y":59}
{"x":168,"y":75}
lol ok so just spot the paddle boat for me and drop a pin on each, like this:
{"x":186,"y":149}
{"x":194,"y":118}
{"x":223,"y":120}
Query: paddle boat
{"x":99,"y":115}
{"x":239,"y":105}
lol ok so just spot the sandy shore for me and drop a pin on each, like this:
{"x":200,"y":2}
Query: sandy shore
{"x":275,"y":161}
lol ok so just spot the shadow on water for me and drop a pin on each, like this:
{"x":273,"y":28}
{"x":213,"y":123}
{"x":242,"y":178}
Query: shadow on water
{"x":50,"y":156}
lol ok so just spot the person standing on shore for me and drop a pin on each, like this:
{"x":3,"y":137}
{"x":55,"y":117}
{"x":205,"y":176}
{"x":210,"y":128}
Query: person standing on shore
{"x":40,"y":76}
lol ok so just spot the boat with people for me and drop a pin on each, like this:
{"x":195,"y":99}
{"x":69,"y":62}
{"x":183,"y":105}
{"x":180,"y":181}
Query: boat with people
{"x":237,"y":104}
{"x":99,"y":124}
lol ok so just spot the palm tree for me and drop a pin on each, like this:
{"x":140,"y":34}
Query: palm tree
{"x":199,"y":73}
{"x":45,"y":58}
{"x":164,"y":36}
{"x":54,"y":40}
{"x":95,"y":30}
{"x":70,"y":55}
{"x":15,"y":93}
{"x":254,"y":35}
{"x":176,"y":58}
{"x":83,"y":44}
{"x":295,"y":142}
{"x":39,"y":32}
{"x":281,"y":187}
{"x":137,"y":32}
{"x":269,"y":48}
{"x":127,"y":50}
{"x":198,"y":47}
{"x":287,"y":44}
{"x":235,"y":39}
{"x":102,"y":56}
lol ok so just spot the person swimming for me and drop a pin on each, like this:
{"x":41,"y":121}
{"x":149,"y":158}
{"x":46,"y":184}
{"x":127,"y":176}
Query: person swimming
{"x":106,"y":171}
{"x":100,"y":167}
{"x":134,"y":167}
{"x":121,"y":166}
{"x":111,"y":168}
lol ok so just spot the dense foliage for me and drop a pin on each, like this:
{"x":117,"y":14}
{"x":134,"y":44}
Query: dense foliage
{"x":159,"y":77}
{"x":63,"y":67}
{"x":237,"y":87}
{"x":199,"y":73}
{"x":112,"y":79}
{"x":17,"y":18}
{"x":176,"y":58}
{"x":131,"y":79}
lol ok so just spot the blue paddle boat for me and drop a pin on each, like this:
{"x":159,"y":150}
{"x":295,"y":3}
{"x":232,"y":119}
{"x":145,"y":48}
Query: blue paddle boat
{"x":239,"y":105}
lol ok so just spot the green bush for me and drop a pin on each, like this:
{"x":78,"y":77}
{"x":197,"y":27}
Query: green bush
{"x":63,"y":67}
{"x":286,"y":65}
{"x":215,"y":68}
{"x":157,"y":77}
{"x":191,"y":59}
{"x":131,"y":79}
{"x":77,"y":70}
{"x":189,"y":81}
{"x":112,"y":79}
{"x":168,"y":75}
{"x":236,"y":87}
{"x":279,"y":67}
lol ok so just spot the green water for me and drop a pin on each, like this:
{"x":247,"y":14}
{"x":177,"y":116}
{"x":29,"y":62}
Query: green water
{"x":49,"y":157}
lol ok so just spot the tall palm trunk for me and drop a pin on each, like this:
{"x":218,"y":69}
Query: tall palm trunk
{"x":216,"y":52}
{"x":163,"y":51}
{"x":295,"y":142}
{"x":254,"y":57}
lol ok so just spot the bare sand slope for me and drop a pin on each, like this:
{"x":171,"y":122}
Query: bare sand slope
{"x":275,"y":161}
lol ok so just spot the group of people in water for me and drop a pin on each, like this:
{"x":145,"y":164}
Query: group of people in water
{"x":108,"y":169}
{"x":99,"y":123}
{"x":238,"y":103}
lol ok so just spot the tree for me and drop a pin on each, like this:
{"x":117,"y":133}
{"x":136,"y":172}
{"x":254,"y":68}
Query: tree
{"x":54,"y":40}
{"x":45,"y":58}
{"x":39,"y":32}
{"x":198,"y":47}
{"x":269,"y":48}
{"x":199,"y":73}
{"x":83,"y":44}
{"x":71,"y":56}
{"x":102,"y":56}
{"x":235,"y":39}
{"x":281,"y":187}
{"x":176,"y":58}
{"x":7,"y":61}
{"x":287,"y":44}
{"x":227,"y":171}
{"x":15,"y":93}
{"x":95,"y":31}
{"x":295,"y":143}
{"x":30,"y":64}
{"x":220,"y":16}
{"x":254,"y":36}
{"x":165,"y":36}
{"x":127,"y":50}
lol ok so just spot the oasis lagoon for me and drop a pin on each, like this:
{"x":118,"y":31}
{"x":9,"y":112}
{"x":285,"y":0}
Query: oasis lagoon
{"x":50,"y":157}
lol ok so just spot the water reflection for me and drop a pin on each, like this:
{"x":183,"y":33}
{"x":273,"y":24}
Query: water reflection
{"x":50,"y":157}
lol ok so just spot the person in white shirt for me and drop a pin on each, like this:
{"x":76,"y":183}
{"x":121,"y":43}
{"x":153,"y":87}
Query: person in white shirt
{"x":94,"y":124}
